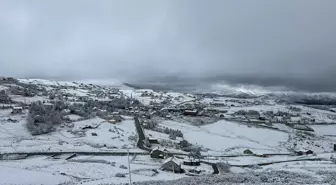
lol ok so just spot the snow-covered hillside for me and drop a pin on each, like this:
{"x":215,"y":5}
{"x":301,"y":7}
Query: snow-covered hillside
{"x":101,"y":133}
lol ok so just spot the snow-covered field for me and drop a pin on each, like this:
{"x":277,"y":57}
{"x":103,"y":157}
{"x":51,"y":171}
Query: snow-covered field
{"x":88,"y":170}
{"x":224,"y":136}
{"x":13,"y":175}
{"x":325,"y":130}
{"x":15,"y":138}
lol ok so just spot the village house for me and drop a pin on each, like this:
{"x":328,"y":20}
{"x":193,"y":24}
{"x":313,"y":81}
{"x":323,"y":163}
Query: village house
{"x":190,"y":112}
{"x":172,"y":164}
{"x":48,"y":106}
{"x":17,"y":110}
{"x":153,"y":140}
{"x":158,"y":153}
{"x":66,"y":112}
{"x":192,"y":162}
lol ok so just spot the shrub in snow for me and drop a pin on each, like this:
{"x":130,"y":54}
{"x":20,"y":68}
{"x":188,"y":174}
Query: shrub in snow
{"x":27,"y":90}
{"x":177,"y":133}
{"x":52,"y":96}
{"x":132,"y":138}
{"x":329,"y":177}
{"x":167,"y":143}
{"x":82,"y":110}
{"x":16,"y":90}
{"x":120,"y":175}
{"x":59,"y":105}
{"x":94,"y":134}
{"x":188,"y":147}
{"x":150,"y":125}
{"x":195,"y":152}
{"x":248,"y":152}
{"x":123,"y":167}
{"x":172,"y":136}
{"x":250,"y":178}
{"x":255,"y":167}
{"x":42,"y":119}
{"x":241,"y":112}
{"x":184,"y":143}
{"x":4,"y":98}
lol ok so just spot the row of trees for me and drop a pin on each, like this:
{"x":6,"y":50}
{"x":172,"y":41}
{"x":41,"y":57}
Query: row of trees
{"x":173,"y":133}
{"x":153,"y":125}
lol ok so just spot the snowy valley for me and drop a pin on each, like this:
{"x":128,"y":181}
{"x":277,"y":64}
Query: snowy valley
{"x":77,"y":133}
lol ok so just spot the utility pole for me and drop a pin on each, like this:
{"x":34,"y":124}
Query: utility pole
{"x":208,"y":157}
{"x":129,"y":167}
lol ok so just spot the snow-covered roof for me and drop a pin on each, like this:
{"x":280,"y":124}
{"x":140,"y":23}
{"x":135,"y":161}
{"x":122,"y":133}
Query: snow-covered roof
{"x":17,"y":108}
{"x":158,"y":148}
{"x":174,"y":160}
{"x":191,"y":160}
{"x":191,"y":111}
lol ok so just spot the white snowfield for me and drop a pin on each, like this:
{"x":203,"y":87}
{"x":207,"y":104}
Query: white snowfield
{"x":17,"y":176}
{"x":325,"y":130}
{"x":15,"y":138}
{"x":227,"y":136}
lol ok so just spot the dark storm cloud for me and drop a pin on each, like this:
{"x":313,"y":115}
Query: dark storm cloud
{"x":287,"y":42}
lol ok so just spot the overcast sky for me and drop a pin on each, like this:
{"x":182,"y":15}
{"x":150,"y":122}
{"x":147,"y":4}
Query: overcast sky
{"x":259,"y":41}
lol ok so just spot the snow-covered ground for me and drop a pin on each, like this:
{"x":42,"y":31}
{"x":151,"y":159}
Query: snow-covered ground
{"x":225,"y":140}
{"x":325,"y":130}
{"x":12,"y":175}
{"x":15,"y":138}
{"x":225,"y":137}
{"x":89,"y":170}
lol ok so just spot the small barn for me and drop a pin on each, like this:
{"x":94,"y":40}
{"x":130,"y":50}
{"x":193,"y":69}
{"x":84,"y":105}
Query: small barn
{"x":153,"y":141}
{"x":17,"y":110}
{"x":191,"y":162}
{"x":309,"y":152}
{"x":172,"y":164}
{"x":248,"y":152}
{"x":190,"y":112}
{"x":157,"y":153}
{"x":300,"y":153}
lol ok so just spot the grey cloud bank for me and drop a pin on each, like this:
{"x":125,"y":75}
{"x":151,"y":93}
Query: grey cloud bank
{"x":287,"y":42}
